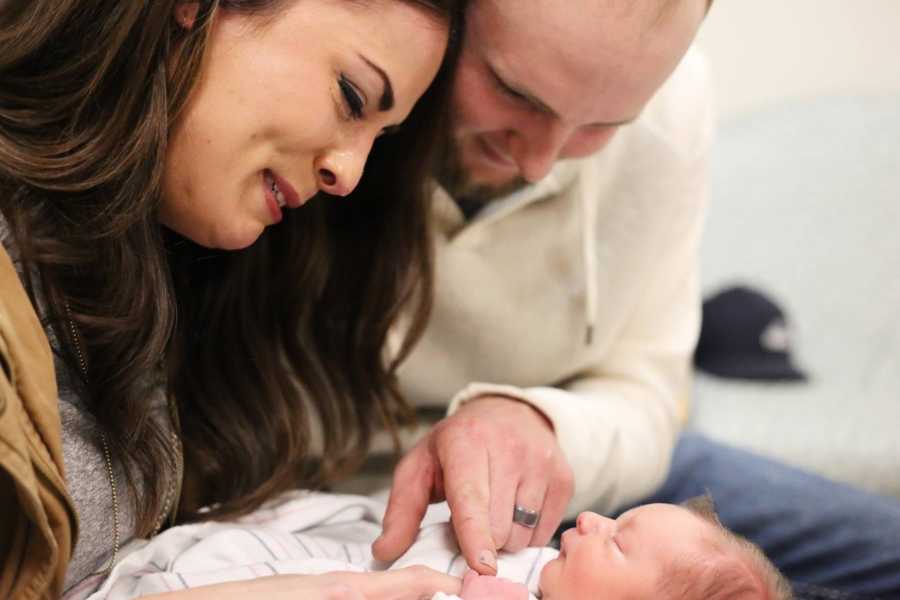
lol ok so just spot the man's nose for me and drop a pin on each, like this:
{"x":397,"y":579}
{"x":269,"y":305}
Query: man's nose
{"x":537,"y":146}
{"x":339,"y":170}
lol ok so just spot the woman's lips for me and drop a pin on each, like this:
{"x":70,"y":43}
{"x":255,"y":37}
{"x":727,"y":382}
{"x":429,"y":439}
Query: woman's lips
{"x":280,"y":194}
{"x":271,"y":201}
{"x":291,"y":198}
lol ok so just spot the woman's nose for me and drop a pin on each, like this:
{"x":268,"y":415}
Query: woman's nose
{"x":589,"y":522}
{"x":338,"y":172}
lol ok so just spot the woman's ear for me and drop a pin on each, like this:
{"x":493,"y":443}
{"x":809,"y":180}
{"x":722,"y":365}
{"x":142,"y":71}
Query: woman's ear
{"x":186,"y":13}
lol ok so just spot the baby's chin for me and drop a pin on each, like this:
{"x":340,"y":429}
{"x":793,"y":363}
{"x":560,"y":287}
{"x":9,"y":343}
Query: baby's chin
{"x":552,"y":585}
{"x":548,"y":578}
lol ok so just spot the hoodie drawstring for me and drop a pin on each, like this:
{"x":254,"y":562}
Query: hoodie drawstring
{"x":589,"y":258}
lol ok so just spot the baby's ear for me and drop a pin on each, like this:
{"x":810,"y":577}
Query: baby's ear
{"x":186,"y":13}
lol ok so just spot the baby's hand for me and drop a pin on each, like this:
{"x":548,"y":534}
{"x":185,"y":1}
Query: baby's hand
{"x":486,"y":587}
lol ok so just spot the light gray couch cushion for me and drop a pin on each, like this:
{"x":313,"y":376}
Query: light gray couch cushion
{"x":806,"y":206}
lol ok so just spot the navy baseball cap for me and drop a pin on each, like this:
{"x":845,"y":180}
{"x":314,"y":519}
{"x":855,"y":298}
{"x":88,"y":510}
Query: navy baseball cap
{"x":745,"y":335}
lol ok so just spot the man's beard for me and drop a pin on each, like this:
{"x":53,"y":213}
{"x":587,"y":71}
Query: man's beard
{"x":454,"y":178}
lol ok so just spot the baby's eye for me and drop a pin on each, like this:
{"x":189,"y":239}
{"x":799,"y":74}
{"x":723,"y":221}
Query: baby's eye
{"x":352,"y":97}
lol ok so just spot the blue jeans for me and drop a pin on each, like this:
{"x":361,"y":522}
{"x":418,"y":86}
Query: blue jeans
{"x":816,"y":531}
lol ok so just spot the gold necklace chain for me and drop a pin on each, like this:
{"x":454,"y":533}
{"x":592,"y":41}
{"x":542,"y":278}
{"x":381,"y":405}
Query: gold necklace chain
{"x":82,"y":365}
{"x":171,"y":501}
{"x":173,"y":494}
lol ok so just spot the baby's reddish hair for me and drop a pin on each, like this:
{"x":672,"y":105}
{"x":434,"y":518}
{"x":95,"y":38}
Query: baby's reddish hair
{"x":733,"y":568}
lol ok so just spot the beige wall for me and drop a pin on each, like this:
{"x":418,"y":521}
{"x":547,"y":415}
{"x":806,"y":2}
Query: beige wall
{"x":763,"y":51}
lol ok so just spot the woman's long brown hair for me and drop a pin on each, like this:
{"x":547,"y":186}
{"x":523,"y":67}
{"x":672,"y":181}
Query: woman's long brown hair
{"x":261,"y":347}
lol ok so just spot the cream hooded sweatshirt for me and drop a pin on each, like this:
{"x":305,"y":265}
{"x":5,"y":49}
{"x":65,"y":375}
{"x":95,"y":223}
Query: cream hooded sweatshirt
{"x":579,"y":295}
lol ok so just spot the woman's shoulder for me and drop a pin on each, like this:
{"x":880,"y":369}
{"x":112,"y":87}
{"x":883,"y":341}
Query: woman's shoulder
{"x":6,"y":239}
{"x":11,"y":289}
{"x":25,"y":349}
{"x":14,"y":300}
{"x":24,"y":340}
{"x":10,"y":265}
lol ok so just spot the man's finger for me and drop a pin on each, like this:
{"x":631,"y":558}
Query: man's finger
{"x":467,"y":484}
{"x":411,"y":490}
{"x":530,"y":496}
{"x":557,"y":498}
{"x":504,"y":485}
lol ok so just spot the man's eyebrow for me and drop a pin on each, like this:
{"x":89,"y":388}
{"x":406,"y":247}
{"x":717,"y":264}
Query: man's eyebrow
{"x":386,"y":102}
{"x":612,"y":123}
{"x":543,"y":107}
{"x":527,"y":96}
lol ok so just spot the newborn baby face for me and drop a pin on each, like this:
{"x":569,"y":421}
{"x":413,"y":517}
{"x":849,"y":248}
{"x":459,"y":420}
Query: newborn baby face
{"x":625,"y":557}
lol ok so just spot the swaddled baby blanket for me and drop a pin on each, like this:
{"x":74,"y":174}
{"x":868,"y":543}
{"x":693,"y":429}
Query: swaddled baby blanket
{"x":299,"y":533}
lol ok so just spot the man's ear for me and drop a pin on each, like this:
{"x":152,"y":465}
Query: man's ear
{"x":186,"y":13}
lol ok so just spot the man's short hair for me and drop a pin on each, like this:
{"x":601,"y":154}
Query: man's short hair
{"x":733,"y":569}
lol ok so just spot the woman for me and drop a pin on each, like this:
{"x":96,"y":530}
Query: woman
{"x":141,"y":141}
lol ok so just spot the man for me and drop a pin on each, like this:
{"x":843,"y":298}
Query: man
{"x":567,"y":302}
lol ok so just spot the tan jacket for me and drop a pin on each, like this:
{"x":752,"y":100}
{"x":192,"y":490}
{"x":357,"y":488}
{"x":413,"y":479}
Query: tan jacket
{"x":38,"y":524}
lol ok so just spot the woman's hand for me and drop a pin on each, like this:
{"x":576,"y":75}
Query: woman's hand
{"x":486,"y":587}
{"x":411,"y":583}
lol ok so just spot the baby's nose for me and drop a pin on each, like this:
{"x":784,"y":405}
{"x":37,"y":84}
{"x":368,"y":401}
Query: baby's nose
{"x":589,"y":522}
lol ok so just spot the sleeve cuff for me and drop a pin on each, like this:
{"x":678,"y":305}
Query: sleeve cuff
{"x":476,"y":390}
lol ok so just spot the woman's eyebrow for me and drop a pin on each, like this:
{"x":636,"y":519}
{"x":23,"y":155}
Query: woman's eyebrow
{"x":386,"y":102}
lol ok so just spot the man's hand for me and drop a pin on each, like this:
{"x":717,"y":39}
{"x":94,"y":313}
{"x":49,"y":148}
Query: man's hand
{"x":487,"y":587}
{"x":494,"y":453}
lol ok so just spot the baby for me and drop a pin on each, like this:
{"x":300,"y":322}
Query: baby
{"x":657,"y":551}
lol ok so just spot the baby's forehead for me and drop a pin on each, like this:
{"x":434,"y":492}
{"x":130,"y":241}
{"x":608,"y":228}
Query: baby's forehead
{"x":691,"y":536}
{"x":710,"y":533}
{"x":662,"y":512}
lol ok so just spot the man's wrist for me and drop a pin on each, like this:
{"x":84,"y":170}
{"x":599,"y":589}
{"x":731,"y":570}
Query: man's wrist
{"x":495,"y":398}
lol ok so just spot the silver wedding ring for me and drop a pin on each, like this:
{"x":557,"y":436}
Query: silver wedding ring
{"x":526,"y":518}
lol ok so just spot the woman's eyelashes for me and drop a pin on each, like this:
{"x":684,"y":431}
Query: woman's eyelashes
{"x":354,"y":100}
